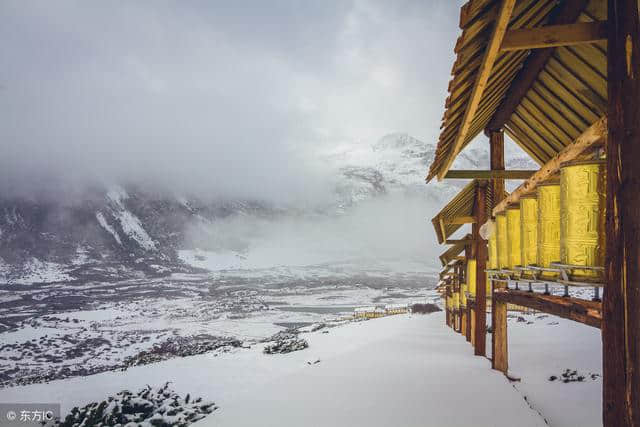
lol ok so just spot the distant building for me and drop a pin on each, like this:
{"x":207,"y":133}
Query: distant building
{"x":396,"y":309}
{"x":374,"y":312}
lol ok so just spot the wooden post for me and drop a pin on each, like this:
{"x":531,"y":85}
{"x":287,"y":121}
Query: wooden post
{"x":621,"y":301}
{"x":447,"y":291}
{"x":472,"y":326}
{"x":458,"y":327}
{"x":480,"y":323}
{"x":496,"y":142}
{"x":467,"y":326}
{"x":499,"y":356}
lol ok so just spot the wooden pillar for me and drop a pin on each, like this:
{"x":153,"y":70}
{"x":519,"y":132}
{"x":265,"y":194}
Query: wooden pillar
{"x":621,"y":301}
{"x":457,"y":290}
{"x":480,"y":317}
{"x":447,"y":310}
{"x":467,"y":326}
{"x":496,"y":143}
{"x":499,"y":354}
{"x":472,"y":327}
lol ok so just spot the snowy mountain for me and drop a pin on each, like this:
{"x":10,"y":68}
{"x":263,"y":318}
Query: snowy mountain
{"x":125,"y":231}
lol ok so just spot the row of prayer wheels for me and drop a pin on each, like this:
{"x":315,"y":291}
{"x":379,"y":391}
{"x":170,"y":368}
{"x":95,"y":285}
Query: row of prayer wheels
{"x":561,"y":223}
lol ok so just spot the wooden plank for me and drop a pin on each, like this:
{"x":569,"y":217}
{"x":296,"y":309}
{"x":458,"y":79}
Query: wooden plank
{"x":489,"y":174}
{"x":554,"y":35}
{"x":567,"y":14}
{"x":593,"y":135}
{"x":460,"y":220}
{"x":490,"y":55}
{"x":621,"y":304}
{"x":480,"y":312}
{"x":583,"y":311}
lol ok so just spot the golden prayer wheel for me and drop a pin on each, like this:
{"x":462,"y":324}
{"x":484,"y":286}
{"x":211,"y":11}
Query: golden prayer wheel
{"x":455,"y":301}
{"x":529,"y":230}
{"x":492,"y":263}
{"x":463,"y":295}
{"x":582,"y":216}
{"x":548,"y":225}
{"x":471,"y":276}
{"x":513,"y":235}
{"x":501,"y":240}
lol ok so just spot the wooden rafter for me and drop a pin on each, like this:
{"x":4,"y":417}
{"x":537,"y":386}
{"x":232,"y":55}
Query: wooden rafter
{"x":460,"y":220}
{"x":489,"y":174}
{"x":568,"y":14}
{"x":596,"y":133}
{"x":490,"y":55}
{"x":554,"y":35}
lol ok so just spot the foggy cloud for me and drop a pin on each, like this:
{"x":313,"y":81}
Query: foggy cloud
{"x":222,"y":98}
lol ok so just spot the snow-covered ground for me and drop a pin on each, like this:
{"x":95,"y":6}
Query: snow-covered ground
{"x":54,"y":331}
{"x":401,"y":370}
{"x":408,"y":370}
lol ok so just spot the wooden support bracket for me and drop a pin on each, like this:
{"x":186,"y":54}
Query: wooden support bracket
{"x":554,"y":35}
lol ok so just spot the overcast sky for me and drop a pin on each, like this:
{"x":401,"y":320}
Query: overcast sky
{"x":230,"y":97}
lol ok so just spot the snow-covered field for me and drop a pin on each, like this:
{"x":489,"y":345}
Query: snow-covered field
{"x":205,"y":334}
{"x":406,"y":370}
{"x":54,"y":331}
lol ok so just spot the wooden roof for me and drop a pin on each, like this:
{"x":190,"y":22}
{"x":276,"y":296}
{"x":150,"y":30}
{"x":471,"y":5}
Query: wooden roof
{"x":461,"y":205}
{"x":543,"y":98}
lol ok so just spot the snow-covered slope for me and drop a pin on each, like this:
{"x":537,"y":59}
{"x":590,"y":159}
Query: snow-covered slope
{"x":127,"y":231}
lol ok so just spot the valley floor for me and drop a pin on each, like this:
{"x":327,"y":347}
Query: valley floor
{"x":408,"y":370}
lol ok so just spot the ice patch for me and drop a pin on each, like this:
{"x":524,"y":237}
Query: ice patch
{"x":103,"y":222}
{"x":132,"y":227}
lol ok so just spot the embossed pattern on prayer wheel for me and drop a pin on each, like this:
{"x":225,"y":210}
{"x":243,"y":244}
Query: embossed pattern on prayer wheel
{"x":529,"y":229}
{"x":501,"y":239}
{"x":471,"y":276}
{"x":548,"y":225}
{"x":513,"y":235}
{"x":582,"y":216}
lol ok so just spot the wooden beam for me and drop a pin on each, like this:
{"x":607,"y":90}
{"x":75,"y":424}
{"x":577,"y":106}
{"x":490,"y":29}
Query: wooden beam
{"x":460,"y":220}
{"x":479,"y":317}
{"x":567,"y":13}
{"x":443,"y":231}
{"x":578,"y":310}
{"x":593,"y":135}
{"x":456,"y":241}
{"x":621,"y":300}
{"x":489,"y":174}
{"x":554,"y":35}
{"x":490,"y":54}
